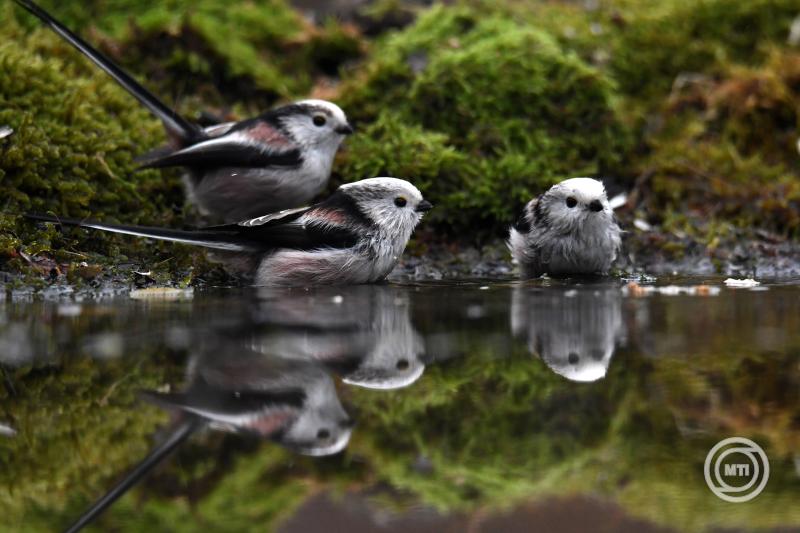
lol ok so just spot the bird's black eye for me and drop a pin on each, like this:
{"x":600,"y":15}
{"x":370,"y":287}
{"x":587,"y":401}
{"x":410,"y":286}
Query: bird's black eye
{"x":319,"y":120}
{"x":402,"y":364}
{"x":571,"y":201}
{"x":400,"y":201}
{"x":323,"y":434}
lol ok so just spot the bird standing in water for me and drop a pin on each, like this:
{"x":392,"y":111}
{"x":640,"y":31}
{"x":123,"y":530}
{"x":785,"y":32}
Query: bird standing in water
{"x":569,"y":230}
{"x":354,"y":236}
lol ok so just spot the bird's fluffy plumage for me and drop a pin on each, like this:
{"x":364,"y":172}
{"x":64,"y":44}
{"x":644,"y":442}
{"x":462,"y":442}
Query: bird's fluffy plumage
{"x":291,"y":402}
{"x":568,"y":230}
{"x":280,"y":159}
{"x":354,"y":236}
{"x":576,"y":336}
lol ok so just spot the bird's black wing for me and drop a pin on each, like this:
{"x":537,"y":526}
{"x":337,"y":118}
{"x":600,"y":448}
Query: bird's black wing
{"x":211,"y":404}
{"x":250,"y":143}
{"x":175,"y":124}
{"x":309,"y":228}
{"x":337,"y":222}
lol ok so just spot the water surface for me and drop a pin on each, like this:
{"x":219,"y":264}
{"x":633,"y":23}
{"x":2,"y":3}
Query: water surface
{"x":481,"y":405}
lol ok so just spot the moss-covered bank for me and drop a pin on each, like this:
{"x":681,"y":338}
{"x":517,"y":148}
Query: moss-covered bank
{"x":482,"y":113}
{"x":689,"y":104}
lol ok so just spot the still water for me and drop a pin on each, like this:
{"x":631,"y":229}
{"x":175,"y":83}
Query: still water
{"x":481,"y":406}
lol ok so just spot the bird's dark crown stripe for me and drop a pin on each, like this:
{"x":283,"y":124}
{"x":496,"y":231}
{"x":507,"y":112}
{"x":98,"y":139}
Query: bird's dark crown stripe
{"x":274,"y":117}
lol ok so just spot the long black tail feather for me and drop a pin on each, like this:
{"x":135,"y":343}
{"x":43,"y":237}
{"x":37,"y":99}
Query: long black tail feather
{"x":179,"y":434}
{"x":175,"y":124}
{"x":216,"y":238}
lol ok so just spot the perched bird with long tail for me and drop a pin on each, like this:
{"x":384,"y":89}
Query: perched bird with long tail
{"x":356,"y":235}
{"x":236,"y":170}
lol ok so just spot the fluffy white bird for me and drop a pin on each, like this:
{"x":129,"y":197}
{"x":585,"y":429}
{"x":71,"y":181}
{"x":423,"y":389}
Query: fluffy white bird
{"x":362,"y":333}
{"x":237,"y":170}
{"x":568,"y":230}
{"x":356,"y":235}
{"x":293,"y":403}
{"x":575,"y":333}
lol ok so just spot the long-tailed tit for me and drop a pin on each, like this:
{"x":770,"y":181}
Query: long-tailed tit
{"x":568,"y":230}
{"x":362,"y":333}
{"x":576,"y":333}
{"x":237,"y":170}
{"x":293,"y":403}
{"x":354,"y":236}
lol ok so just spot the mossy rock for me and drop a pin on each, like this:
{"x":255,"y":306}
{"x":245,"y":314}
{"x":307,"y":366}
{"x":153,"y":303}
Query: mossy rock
{"x":661,"y":40}
{"x":258,"y":52}
{"x":482,"y":114}
{"x":76,"y":133}
{"x":727,"y":148}
{"x":75,"y":137}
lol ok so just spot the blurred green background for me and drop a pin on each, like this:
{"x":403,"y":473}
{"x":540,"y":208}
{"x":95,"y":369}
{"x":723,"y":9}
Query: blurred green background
{"x":689,"y":105}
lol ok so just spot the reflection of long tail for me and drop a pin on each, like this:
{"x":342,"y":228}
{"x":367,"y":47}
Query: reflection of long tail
{"x":179,"y":434}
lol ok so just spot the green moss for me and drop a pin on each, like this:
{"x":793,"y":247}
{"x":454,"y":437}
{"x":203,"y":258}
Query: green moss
{"x":664,"y":39}
{"x":76,"y":135}
{"x":503,"y":104}
{"x":259,"y":51}
{"x":77,"y":429}
{"x":712,"y":155}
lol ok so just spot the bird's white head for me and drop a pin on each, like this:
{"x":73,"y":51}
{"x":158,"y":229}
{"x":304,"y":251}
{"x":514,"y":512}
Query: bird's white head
{"x":316,"y":124}
{"x":323,"y":427}
{"x":575,"y":202}
{"x":393,"y":205}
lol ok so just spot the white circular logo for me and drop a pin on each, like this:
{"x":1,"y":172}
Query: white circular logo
{"x":736,"y":469}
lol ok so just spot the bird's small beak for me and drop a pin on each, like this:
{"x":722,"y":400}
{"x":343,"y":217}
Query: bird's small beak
{"x":595,"y":206}
{"x":424,"y":206}
{"x":347,"y":129}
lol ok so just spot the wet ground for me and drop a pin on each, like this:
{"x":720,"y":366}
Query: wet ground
{"x":439,"y":406}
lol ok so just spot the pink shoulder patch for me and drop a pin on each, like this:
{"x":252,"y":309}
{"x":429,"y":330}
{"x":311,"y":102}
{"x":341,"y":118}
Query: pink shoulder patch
{"x":266,"y":425}
{"x":327,"y":216}
{"x":266,"y":134}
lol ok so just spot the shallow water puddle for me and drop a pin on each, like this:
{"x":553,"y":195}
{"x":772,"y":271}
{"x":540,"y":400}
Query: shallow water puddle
{"x":429,"y":406}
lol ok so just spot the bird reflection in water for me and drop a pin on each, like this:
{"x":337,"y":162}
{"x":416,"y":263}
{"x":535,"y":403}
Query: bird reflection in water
{"x":277,"y":384}
{"x":574,"y":332}
{"x":364,"y":333}
{"x":291,"y":402}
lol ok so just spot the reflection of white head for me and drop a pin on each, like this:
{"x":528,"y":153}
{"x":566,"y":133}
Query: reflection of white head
{"x":292,"y":402}
{"x":393,"y":360}
{"x":322,"y":426}
{"x":375,"y":346}
{"x":573,"y":331}
{"x":576,"y":367}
